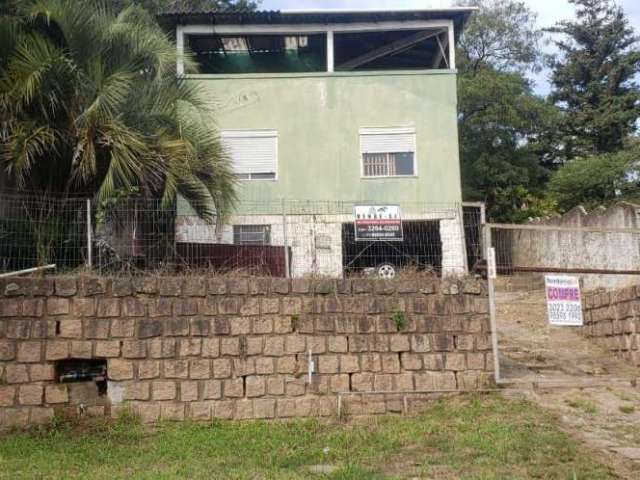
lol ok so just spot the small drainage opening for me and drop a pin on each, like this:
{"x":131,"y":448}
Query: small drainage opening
{"x":82,"y":370}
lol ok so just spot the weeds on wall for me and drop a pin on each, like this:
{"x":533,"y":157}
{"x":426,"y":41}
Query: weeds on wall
{"x":399,"y":319}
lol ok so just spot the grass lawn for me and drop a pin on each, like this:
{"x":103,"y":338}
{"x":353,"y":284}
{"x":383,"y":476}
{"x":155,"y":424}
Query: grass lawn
{"x":470,"y":437}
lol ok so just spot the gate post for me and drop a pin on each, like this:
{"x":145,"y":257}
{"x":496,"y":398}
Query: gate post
{"x":491,"y":272}
{"x":89,"y":264}
{"x":285,"y":239}
{"x":465,"y":258}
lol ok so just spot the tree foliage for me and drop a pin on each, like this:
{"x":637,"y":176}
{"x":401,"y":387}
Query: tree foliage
{"x":502,"y":124}
{"x":597,"y":180}
{"x":8,"y":7}
{"x":501,"y":34}
{"x":90,"y":103}
{"x":593,"y":79}
{"x":156,"y":6}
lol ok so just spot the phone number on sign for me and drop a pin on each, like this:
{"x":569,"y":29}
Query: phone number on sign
{"x":385,"y":228}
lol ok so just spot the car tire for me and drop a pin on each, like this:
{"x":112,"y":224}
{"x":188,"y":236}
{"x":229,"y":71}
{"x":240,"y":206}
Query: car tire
{"x":386,"y":270}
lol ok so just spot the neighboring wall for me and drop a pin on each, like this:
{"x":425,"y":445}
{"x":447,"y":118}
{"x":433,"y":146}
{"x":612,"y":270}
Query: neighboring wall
{"x":613,"y":320}
{"x":191,"y":347}
{"x":566,"y":249}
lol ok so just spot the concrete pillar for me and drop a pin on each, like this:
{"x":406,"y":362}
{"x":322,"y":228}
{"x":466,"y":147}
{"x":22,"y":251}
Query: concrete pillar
{"x":454,"y":262}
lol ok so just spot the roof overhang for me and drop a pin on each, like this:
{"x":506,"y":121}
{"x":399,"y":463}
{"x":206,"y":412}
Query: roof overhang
{"x":176,"y":16}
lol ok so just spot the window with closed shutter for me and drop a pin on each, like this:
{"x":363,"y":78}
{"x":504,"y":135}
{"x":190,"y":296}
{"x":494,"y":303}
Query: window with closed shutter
{"x":388,"y":152}
{"x":253,"y":153}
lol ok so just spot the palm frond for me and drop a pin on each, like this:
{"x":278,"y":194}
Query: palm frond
{"x":109,"y":95}
{"x":107,"y":110}
{"x":128,"y":153}
{"x":33,"y":59}
{"x":27,"y":144}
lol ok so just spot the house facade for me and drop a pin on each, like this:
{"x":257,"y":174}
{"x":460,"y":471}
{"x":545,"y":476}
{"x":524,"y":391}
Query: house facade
{"x":324,"y":110}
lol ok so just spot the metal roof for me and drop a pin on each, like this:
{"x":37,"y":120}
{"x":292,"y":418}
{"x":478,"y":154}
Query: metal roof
{"x":178,"y":14}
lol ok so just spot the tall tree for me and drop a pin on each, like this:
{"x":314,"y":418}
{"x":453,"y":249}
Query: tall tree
{"x":502,"y":124}
{"x":90,"y":103}
{"x":502,"y":34}
{"x":593,"y":79}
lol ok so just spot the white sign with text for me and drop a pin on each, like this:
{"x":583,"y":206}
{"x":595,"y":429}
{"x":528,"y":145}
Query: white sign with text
{"x":564,"y":303}
{"x":376,"y":223}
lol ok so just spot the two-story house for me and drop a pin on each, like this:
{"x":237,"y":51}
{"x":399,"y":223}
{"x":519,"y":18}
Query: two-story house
{"x":324,"y":110}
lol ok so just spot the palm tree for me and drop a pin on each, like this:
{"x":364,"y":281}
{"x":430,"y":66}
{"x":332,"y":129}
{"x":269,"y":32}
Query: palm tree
{"x":90,"y":103}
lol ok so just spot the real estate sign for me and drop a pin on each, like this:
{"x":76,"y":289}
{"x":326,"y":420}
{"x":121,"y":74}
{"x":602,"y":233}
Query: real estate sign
{"x":564,"y":304}
{"x":378,"y":223}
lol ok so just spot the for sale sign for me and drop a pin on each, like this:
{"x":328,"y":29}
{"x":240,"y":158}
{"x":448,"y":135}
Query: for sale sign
{"x":564,"y":304}
{"x":378,"y":223}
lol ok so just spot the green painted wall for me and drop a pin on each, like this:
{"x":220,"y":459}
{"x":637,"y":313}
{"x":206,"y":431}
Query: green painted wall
{"x":318,"y":117}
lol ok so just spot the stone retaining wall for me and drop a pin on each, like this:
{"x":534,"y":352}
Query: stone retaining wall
{"x":613,"y":320}
{"x":192,"y":347}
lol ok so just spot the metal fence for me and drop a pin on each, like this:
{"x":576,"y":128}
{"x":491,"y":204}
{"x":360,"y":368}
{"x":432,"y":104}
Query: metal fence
{"x":538,"y":294}
{"x":39,"y":230}
{"x":277,"y":238}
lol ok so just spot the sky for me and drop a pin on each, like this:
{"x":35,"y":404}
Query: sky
{"x":549,"y":12}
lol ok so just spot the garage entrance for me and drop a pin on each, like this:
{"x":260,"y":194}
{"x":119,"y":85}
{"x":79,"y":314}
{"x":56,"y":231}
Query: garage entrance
{"x":421,"y":250}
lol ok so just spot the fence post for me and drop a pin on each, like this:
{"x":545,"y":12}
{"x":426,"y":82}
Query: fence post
{"x":285,"y":240}
{"x":492,"y":305}
{"x":483,"y":221}
{"x":463,"y":241}
{"x":89,"y":234}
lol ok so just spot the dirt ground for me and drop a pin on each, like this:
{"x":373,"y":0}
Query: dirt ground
{"x":593,"y":392}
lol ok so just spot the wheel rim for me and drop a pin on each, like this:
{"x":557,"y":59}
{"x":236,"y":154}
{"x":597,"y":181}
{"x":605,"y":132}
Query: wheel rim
{"x":386,"y":271}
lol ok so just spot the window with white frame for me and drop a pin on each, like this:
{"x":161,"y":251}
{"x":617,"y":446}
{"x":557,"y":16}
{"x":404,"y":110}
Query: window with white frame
{"x":252,"y":234}
{"x":253,"y":153}
{"x":388,"y":152}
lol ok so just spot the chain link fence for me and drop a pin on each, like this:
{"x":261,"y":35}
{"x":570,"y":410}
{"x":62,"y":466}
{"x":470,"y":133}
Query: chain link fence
{"x":274,"y":238}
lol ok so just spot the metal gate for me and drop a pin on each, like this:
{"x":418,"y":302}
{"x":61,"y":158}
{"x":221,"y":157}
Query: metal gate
{"x":532,"y":273}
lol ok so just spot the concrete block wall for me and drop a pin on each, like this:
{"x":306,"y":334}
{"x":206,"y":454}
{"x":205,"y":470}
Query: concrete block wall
{"x":236,"y":348}
{"x":612,"y":318}
{"x":575,"y":249}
